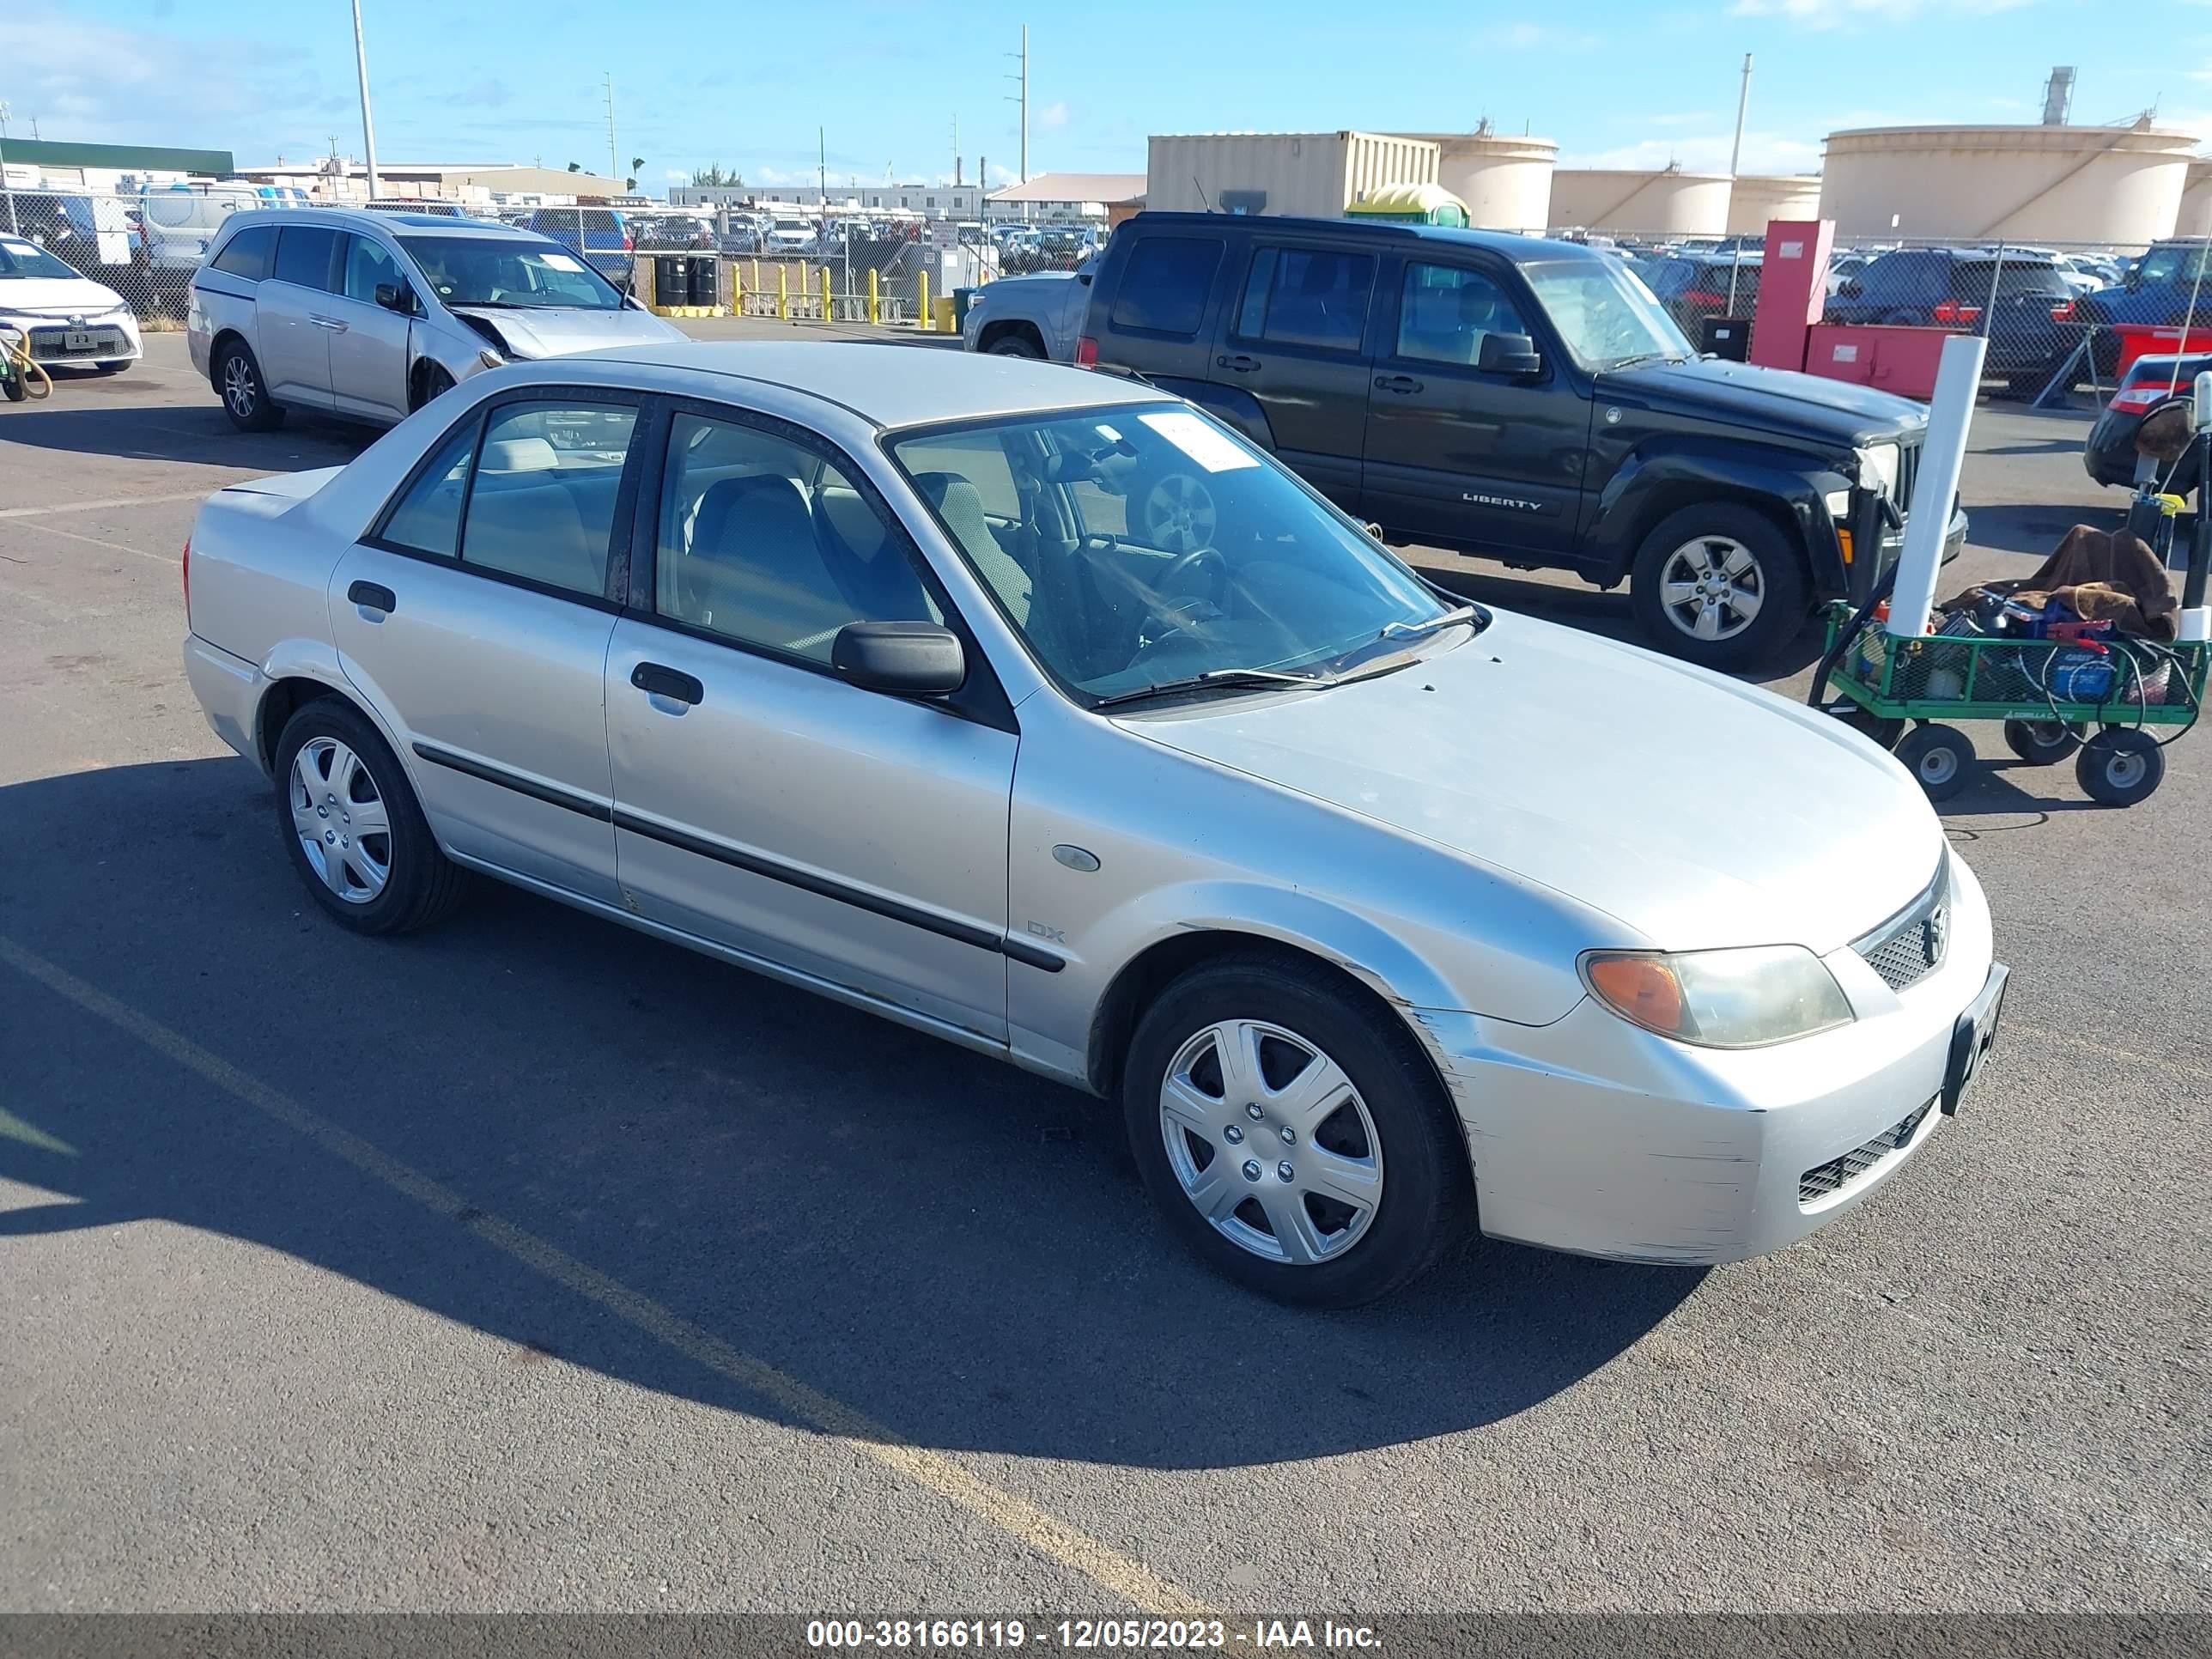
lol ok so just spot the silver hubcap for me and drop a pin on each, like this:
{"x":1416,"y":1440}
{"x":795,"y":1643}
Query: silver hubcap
{"x":2124,"y":771}
{"x":1711,"y":588}
{"x":339,"y":813}
{"x":1938,"y":765}
{"x":1271,"y":1142}
{"x":238,"y":384}
{"x":1178,"y":514}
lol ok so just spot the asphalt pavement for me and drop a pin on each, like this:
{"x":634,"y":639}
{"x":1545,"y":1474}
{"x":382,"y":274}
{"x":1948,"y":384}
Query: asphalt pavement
{"x":529,"y":1263}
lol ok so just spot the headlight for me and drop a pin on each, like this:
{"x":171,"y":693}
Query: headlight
{"x":1742,"y":998}
{"x":1878,"y":467}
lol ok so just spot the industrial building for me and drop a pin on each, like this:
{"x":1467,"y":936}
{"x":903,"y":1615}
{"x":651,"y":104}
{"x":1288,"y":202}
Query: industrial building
{"x":2116,"y":186}
{"x":1667,"y":202}
{"x":329,"y":177}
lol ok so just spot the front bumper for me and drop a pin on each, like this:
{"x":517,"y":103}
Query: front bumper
{"x":56,"y":343}
{"x":1594,"y":1136}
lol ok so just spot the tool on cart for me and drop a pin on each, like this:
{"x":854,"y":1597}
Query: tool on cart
{"x":21,"y":375}
{"x":2093,"y":638}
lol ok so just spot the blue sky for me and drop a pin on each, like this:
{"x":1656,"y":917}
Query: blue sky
{"x":747,"y":85}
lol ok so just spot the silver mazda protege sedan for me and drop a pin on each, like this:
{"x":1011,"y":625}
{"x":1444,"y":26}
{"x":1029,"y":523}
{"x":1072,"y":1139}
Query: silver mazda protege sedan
{"x":1381,"y":914}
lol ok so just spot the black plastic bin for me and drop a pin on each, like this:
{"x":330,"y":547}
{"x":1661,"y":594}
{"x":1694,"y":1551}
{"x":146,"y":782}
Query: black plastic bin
{"x":671,"y":286}
{"x":703,"y":281}
{"x":1726,"y":337}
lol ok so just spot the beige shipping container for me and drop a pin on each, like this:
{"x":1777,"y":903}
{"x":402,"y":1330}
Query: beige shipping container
{"x":1309,"y":174}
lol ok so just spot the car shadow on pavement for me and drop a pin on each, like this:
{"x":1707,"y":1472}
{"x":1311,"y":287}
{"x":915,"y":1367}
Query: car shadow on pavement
{"x":955,"y":1249}
{"x":199,"y":434}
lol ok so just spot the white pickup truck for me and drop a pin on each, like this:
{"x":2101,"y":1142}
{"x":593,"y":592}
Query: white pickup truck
{"x":1038,"y":315}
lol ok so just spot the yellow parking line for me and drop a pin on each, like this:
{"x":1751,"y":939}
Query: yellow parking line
{"x":1046,"y":1534}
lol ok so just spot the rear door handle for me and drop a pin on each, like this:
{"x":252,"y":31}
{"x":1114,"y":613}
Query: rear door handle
{"x":373,"y":596}
{"x":1396,"y":383}
{"x":656,"y":680}
{"x":1240,"y":363}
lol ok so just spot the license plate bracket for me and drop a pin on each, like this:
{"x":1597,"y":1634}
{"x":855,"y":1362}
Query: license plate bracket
{"x":80,"y":339}
{"x":1972,"y":1038}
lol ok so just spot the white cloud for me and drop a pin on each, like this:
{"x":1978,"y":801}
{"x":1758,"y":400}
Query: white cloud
{"x":1003,"y":175}
{"x":1052,"y":117}
{"x":1843,"y":13}
{"x":678,"y":175}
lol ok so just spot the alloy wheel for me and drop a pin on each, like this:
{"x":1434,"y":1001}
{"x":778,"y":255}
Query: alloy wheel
{"x":238,"y":388}
{"x":339,"y":815}
{"x":1271,"y":1142}
{"x":1178,"y":514}
{"x":1712,"y":588}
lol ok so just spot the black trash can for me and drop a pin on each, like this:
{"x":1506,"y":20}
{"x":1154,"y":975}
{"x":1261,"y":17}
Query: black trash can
{"x":1726,"y":337}
{"x":671,"y":286}
{"x":703,"y":281}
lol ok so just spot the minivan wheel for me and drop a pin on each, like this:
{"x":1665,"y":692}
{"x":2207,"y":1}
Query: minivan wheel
{"x":431,"y":381}
{"x":1292,"y":1139}
{"x":1719,"y":583}
{"x":244,"y":397}
{"x":352,"y":825}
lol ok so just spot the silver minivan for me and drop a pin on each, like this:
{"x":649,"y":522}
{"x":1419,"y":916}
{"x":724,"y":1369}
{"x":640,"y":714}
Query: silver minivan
{"x":370,"y":315}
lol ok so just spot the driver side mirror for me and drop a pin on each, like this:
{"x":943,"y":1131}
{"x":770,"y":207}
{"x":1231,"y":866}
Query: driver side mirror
{"x":1849,"y":289}
{"x":904,"y":659}
{"x":396,"y":296}
{"x":1509,"y":353}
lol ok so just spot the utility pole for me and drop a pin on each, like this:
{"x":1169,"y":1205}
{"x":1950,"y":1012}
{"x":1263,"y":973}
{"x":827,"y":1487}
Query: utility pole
{"x":1742,"y":103}
{"x":5,"y":188}
{"x":367,"y":126}
{"x":1022,"y":97}
{"x":614,"y":166}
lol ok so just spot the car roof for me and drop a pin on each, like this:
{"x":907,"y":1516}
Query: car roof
{"x":1507,"y":242}
{"x":885,"y":383}
{"x":372,"y":219}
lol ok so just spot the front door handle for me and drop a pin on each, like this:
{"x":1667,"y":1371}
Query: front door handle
{"x":1240,"y":363}
{"x":1401,"y":383}
{"x":373,"y":596}
{"x":330,"y":323}
{"x":656,"y":680}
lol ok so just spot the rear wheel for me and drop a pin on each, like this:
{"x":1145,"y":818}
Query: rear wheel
{"x":1291,"y":1138}
{"x":2120,"y":767}
{"x":2042,"y":742}
{"x":352,"y":826}
{"x":1720,"y":584}
{"x":245,"y":396}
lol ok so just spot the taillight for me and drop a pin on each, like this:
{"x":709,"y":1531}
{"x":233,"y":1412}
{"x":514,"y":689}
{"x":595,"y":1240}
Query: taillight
{"x":188,"y":582}
{"x":1086,"y":352}
{"x":2063,"y":312}
{"x":629,"y":242}
{"x":1703,"y":296}
{"x":2140,"y":399}
{"x":1950,"y":311}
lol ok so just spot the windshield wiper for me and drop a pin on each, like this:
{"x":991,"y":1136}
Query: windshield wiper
{"x":1211,"y":677}
{"x":1648,"y":358}
{"x":1413,"y":630}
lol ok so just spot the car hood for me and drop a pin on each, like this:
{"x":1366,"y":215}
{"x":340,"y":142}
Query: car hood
{"x":559,"y":331}
{"x":58,"y":295}
{"x":1745,"y":394}
{"x":1698,"y":812}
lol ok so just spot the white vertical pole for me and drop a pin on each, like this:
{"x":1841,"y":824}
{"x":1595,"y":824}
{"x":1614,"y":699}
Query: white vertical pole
{"x":1935,"y":484}
{"x":367,"y":126}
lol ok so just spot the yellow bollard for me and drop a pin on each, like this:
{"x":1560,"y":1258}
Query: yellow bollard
{"x":783,"y":293}
{"x":875,"y":299}
{"x":828,"y":314}
{"x":736,"y":289}
{"x":921,"y":302}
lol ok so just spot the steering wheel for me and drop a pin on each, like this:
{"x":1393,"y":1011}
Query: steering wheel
{"x":1216,"y":580}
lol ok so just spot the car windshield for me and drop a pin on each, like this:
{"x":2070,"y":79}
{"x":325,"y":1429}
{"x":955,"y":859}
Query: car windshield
{"x":1604,"y":313}
{"x":1145,"y":546}
{"x":2177,"y":262}
{"x":28,"y":260}
{"x":499,"y":270}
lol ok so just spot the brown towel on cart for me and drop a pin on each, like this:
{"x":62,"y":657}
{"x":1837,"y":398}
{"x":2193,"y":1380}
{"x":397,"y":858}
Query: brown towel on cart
{"x":2102,"y":576}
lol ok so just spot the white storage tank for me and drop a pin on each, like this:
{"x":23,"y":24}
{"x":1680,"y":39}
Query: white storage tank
{"x":1665,"y":203}
{"x":2102,"y":185}
{"x":2195,"y":218}
{"x":1314,"y":174}
{"x":1505,"y":182}
{"x":1756,"y":197}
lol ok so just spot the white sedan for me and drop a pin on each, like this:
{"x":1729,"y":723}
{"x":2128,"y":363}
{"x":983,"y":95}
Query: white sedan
{"x":65,"y":318}
{"x":1379,"y":914}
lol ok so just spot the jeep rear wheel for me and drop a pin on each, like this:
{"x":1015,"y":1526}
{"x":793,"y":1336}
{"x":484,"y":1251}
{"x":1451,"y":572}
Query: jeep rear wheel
{"x":1719,"y":583}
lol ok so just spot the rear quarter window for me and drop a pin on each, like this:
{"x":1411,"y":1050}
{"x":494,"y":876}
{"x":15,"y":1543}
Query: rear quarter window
{"x":247,"y":253}
{"x":1165,"y":286}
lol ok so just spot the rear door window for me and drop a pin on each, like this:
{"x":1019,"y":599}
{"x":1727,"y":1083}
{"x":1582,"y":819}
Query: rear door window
{"x":1972,"y":281}
{"x":1165,"y":284}
{"x":247,"y":253}
{"x":1307,"y":297}
{"x":305,"y":254}
{"x":542,"y":503}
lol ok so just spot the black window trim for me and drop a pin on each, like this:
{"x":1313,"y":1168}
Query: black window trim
{"x":609,"y":599}
{"x":982,"y":699}
{"x":1223,"y":247}
{"x":1359,"y":350}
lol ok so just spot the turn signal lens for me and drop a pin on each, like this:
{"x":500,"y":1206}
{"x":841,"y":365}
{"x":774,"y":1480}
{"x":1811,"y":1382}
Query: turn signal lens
{"x":1743,"y":998}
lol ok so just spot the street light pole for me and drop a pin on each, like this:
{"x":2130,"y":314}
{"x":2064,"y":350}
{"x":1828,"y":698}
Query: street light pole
{"x":367,"y":126}
{"x":5,"y":188}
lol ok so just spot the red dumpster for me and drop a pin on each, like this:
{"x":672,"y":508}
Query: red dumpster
{"x":2140,"y":339}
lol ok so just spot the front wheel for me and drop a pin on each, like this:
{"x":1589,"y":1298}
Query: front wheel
{"x":1014,"y":345}
{"x":1941,"y":759}
{"x":1292,"y":1137}
{"x":353,"y":827}
{"x":2120,"y":766}
{"x":1719,"y":583}
{"x":431,"y":381}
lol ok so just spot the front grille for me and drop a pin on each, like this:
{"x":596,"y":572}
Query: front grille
{"x":1909,"y":945}
{"x":1826,"y":1180}
{"x":1908,"y":470}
